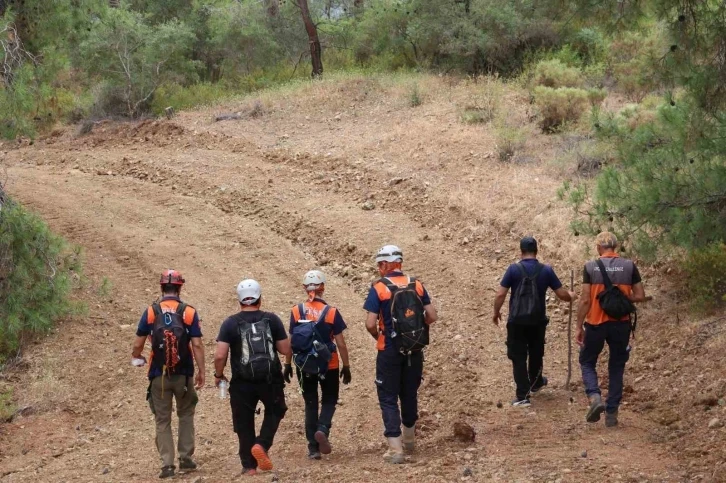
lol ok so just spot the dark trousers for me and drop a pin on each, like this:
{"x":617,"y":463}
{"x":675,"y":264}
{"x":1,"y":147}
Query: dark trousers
{"x":330,"y":388}
{"x":398,"y":376}
{"x":243,"y":397}
{"x":523,"y":342}
{"x":617,"y":335}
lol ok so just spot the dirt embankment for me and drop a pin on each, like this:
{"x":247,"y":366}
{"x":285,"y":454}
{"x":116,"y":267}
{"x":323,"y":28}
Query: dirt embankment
{"x":325,"y":176}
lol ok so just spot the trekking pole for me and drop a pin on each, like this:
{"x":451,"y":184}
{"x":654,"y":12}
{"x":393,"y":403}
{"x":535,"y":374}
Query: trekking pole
{"x":569,"y":334}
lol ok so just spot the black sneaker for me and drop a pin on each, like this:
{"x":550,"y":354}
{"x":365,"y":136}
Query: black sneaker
{"x":521,"y":403}
{"x":314,"y":455}
{"x":538,"y":387}
{"x":187,"y":464}
{"x":323,"y":443}
{"x":167,"y":472}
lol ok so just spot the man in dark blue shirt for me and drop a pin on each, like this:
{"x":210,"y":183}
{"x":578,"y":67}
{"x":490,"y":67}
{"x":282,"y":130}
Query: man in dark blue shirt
{"x":526,"y":336}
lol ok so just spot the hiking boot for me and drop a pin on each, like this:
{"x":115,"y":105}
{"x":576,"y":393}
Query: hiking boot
{"x":538,"y":387}
{"x":408,"y":438}
{"x":323,"y":444}
{"x":595,"y":410}
{"x":394,"y":455}
{"x":314,"y":455}
{"x":187,"y":464}
{"x":521,"y":403}
{"x":249,"y":471}
{"x":611,"y":419}
{"x":263,"y":460}
{"x":167,"y":471}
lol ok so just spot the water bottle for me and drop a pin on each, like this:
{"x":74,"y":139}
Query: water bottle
{"x":222,"y":389}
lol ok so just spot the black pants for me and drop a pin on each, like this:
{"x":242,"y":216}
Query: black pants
{"x":330,"y":388}
{"x":398,"y":377}
{"x":526,"y":341}
{"x":617,"y":336}
{"x":243,"y":397}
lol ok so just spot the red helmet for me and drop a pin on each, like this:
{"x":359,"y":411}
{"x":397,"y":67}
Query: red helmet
{"x":171,"y":276}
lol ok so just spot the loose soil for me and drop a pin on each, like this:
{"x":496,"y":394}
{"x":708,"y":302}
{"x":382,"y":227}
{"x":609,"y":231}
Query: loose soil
{"x":327,"y":174}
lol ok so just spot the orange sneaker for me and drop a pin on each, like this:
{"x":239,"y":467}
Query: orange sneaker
{"x":263,"y":461}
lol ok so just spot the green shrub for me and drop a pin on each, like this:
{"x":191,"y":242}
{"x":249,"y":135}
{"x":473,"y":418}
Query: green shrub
{"x":706,"y":272}
{"x":7,"y":407}
{"x":554,"y":73}
{"x":634,"y":60}
{"x":665,"y":188}
{"x":590,"y":45}
{"x":476,"y":115}
{"x":563,"y":105}
{"x":132,"y":59}
{"x":37,"y":270}
{"x":185,"y":97}
{"x":509,"y":140}
{"x":414,"y":96}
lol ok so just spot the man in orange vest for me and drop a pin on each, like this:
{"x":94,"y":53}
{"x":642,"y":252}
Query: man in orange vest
{"x":176,"y":343}
{"x":595,"y":327}
{"x":329,"y":326}
{"x":398,"y":373}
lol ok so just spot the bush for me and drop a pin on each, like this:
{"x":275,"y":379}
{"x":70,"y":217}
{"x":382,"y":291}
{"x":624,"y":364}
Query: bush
{"x":554,"y":73}
{"x":133,"y":58}
{"x":706,"y":272}
{"x":414,"y":96}
{"x":563,"y":105}
{"x":590,"y":45}
{"x":667,"y":188}
{"x":509,"y":140}
{"x":635,"y":59}
{"x":37,"y":269}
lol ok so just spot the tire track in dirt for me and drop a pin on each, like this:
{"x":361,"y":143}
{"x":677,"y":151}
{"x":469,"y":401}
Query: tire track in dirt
{"x":276,"y":208}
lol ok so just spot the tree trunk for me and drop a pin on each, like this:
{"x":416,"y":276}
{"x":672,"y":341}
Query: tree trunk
{"x":312,"y":30}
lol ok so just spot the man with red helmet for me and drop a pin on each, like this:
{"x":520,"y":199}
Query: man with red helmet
{"x":176,"y":342}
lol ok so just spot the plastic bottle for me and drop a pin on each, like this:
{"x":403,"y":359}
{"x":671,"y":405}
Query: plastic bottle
{"x":223,"y":389}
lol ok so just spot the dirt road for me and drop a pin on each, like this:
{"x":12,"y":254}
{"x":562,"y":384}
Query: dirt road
{"x":304,"y":186}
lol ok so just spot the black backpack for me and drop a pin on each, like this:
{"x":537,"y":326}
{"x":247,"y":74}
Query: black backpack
{"x":526,"y":306}
{"x":410,"y":331}
{"x":169,"y":339}
{"x":258,"y":358}
{"x":613,"y":301}
{"x":311,"y":353}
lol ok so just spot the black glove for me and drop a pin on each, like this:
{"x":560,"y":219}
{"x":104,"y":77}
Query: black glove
{"x":287,"y":373}
{"x":345,"y":375}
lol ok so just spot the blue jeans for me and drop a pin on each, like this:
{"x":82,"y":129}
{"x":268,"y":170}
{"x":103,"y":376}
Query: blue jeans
{"x":617,"y":336}
{"x":398,"y":377}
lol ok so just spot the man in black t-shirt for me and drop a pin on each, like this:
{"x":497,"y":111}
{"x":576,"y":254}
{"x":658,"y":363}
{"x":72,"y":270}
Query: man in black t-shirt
{"x":250,"y":335}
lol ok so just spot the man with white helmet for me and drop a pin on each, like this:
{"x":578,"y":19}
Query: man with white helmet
{"x":254,"y":338}
{"x":316,"y":321}
{"x":399,"y":315}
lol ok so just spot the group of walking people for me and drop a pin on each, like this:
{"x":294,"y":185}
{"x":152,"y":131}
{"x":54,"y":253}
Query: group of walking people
{"x":264,"y":356}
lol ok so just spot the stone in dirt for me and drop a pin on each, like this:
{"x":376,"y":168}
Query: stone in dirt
{"x":368,"y":206}
{"x":468,"y":472}
{"x":715,"y":423}
{"x":464,"y":432}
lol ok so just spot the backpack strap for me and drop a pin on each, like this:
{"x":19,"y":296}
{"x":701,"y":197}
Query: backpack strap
{"x":180,"y":309}
{"x":156,"y":310}
{"x":300,"y":312}
{"x":412,"y":283}
{"x":388,"y":283}
{"x":537,"y":269}
{"x":605,"y":277}
{"x":323,"y":314}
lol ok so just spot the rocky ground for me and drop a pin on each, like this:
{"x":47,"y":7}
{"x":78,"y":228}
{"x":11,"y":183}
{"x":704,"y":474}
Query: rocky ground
{"x":320,"y":177}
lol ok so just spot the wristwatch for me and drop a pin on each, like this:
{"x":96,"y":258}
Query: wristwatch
{"x":218,"y":377}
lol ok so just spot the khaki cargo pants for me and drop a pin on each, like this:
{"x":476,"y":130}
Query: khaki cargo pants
{"x":163,"y":389}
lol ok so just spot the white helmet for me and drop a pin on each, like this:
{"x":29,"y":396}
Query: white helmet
{"x":248,"y":291}
{"x":389,"y":253}
{"x":313,"y":277}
